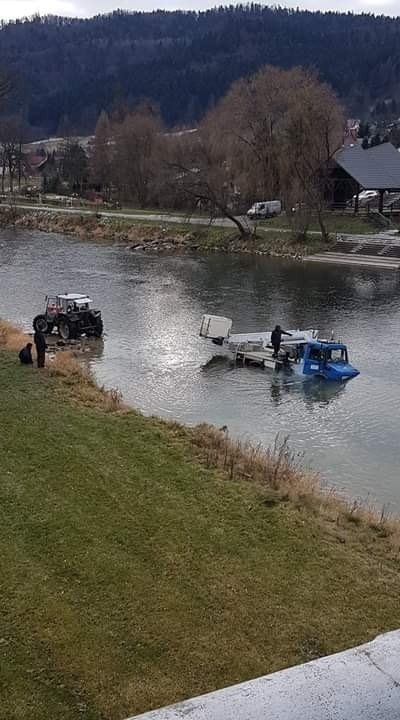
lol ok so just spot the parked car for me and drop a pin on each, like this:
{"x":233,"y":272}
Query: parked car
{"x":265,"y":209}
{"x":365,"y":197}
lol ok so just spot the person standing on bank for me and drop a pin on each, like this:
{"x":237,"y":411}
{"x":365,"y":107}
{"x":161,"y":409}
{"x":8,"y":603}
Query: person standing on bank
{"x":40,"y":344}
{"x":276,"y":338}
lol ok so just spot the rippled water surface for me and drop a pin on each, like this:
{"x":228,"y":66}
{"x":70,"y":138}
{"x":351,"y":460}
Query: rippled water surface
{"x":152,"y":308}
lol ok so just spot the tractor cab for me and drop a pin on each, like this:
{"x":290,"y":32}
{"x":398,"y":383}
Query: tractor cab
{"x":72,"y":302}
{"x":327,"y":359}
{"x":52,"y":306}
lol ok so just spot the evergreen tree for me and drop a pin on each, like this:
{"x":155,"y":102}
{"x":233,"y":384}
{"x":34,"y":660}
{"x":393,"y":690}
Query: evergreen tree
{"x":376,"y":140}
{"x":74,"y":167}
{"x":100,"y":158}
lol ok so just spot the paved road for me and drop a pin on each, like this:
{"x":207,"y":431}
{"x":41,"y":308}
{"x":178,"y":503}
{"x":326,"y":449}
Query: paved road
{"x":153,"y":217}
{"x":192,"y":220}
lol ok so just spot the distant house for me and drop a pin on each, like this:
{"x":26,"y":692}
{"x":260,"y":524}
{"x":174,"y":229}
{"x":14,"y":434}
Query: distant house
{"x":355,"y":169}
{"x":34,"y":164}
{"x":351,"y":132}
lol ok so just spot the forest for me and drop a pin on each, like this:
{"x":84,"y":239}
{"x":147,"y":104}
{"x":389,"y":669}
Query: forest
{"x":66,"y":71}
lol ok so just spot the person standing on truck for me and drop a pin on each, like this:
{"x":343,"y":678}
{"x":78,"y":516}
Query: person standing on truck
{"x":40,"y":344}
{"x":276,"y":338}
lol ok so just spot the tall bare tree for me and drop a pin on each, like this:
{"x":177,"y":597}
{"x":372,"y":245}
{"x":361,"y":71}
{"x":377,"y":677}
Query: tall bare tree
{"x":313,"y":133}
{"x":204,"y":176}
{"x":12,"y":135}
{"x":277,"y":132}
{"x":136,"y":156}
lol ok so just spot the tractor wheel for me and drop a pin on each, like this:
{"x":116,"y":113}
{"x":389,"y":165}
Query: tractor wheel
{"x":66,"y":329}
{"x":40,"y":324}
{"x":95,"y":328}
{"x":98,"y":328}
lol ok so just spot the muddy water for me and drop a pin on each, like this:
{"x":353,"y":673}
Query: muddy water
{"x":152,"y":308}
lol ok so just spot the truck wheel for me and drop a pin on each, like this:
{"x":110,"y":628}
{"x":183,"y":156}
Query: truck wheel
{"x":40,"y":324}
{"x":66,"y":330}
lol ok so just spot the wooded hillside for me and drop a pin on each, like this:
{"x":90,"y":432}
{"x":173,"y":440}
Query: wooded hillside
{"x":70,"y":69}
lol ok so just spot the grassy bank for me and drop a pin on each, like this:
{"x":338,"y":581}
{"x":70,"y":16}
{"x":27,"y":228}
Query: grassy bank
{"x":335,"y":222}
{"x":146,"y":235}
{"x":143,"y":562}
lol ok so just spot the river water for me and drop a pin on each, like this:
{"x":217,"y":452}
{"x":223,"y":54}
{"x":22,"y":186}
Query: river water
{"x":152,"y":307}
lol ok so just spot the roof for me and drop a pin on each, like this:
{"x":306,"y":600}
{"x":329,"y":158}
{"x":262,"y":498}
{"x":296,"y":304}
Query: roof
{"x":377,"y":168}
{"x":74,"y":297}
{"x":324,"y":344}
{"x":35,"y":161}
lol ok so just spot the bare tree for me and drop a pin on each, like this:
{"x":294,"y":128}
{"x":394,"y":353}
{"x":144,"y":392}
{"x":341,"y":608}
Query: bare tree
{"x":248,"y":123}
{"x":12,"y":134}
{"x":206,"y":181}
{"x":277,"y":132}
{"x":136,"y":157}
{"x":313,"y":133}
{"x":201,"y":176}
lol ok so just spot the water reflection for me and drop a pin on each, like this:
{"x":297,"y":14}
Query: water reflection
{"x":283,"y":383}
{"x":311,"y":390}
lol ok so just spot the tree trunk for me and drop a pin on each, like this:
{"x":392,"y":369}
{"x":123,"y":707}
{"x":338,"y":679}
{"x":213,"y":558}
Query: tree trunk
{"x":321,"y":222}
{"x":11,"y":175}
{"x":19,"y":165}
{"x":231,"y":217}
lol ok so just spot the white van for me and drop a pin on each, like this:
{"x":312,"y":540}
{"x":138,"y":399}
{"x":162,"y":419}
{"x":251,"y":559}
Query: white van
{"x":265,"y":209}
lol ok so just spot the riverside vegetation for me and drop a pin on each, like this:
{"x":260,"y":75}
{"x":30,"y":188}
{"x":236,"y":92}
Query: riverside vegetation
{"x":162,"y":237}
{"x":276,"y":239}
{"x":144,"y":561}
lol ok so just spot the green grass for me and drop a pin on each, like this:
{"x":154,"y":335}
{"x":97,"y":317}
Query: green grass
{"x":267,"y":241}
{"x":336,"y":222}
{"x":132,"y":576}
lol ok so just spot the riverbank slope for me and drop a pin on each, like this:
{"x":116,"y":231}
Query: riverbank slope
{"x":144,"y":562}
{"x":167,"y":236}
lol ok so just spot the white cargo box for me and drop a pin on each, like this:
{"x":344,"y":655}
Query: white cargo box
{"x":215,"y":326}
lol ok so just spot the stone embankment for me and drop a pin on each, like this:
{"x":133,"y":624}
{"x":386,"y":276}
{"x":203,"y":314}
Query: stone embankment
{"x":101,"y":229}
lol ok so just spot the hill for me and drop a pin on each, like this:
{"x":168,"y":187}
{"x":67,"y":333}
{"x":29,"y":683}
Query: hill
{"x":70,"y":69}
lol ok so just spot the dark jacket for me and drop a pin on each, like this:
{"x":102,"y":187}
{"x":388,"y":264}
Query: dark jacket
{"x":276,"y":337}
{"x":40,"y":341}
{"x":25,"y":355}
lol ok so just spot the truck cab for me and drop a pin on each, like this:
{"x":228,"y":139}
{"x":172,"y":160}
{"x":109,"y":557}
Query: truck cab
{"x":329,"y":360}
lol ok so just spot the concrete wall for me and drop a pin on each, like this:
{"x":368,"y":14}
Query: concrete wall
{"x":358,"y":684}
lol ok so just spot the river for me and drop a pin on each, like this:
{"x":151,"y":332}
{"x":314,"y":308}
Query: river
{"x":152,"y":307}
